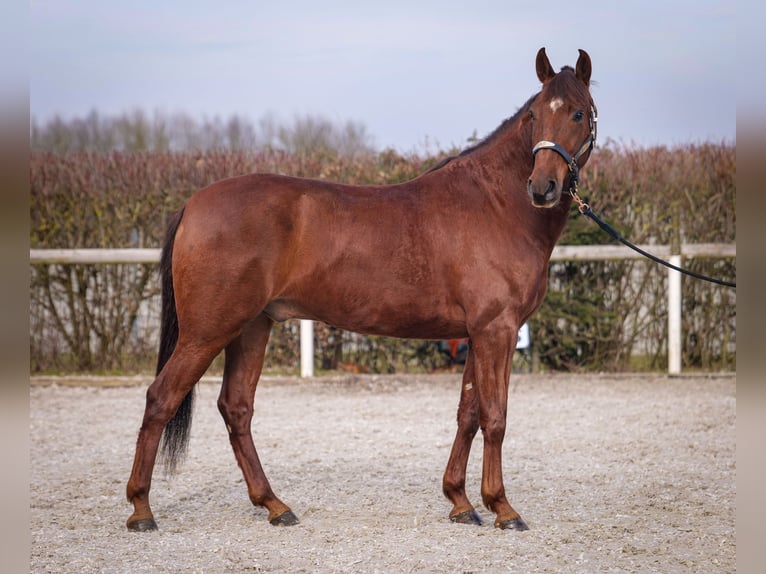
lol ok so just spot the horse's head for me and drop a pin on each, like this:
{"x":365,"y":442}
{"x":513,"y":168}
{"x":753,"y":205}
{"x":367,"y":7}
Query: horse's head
{"x":563,"y":123}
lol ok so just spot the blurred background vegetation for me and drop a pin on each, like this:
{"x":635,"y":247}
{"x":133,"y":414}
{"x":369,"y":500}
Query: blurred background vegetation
{"x":138,"y":131}
{"x":114,"y":181}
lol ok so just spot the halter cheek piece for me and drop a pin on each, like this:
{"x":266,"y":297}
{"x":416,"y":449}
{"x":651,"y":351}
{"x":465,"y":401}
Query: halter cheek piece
{"x":588,"y":144}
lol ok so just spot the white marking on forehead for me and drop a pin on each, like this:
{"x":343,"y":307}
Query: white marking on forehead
{"x":555,"y":104}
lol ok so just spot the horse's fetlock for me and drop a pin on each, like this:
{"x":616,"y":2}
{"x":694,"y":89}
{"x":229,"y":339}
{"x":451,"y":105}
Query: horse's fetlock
{"x":451,"y":487}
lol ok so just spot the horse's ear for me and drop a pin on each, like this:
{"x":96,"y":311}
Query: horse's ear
{"x":583,"y":69}
{"x":544,"y":69}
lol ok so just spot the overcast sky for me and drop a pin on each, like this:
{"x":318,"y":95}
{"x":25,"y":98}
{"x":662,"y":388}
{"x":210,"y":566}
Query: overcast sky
{"x":411,"y":71}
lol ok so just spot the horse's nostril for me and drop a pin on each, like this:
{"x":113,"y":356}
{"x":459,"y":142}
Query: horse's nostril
{"x":551,"y":186}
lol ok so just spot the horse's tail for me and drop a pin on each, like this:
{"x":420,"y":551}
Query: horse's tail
{"x":175,"y":438}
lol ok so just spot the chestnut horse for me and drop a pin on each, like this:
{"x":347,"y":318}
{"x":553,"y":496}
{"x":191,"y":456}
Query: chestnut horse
{"x":251,"y":250}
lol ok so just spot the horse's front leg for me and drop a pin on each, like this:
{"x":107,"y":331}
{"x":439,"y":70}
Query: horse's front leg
{"x":453,"y":484}
{"x":493,"y":351}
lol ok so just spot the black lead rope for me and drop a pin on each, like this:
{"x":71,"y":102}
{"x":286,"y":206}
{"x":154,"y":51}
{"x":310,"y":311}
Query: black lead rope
{"x":587,"y":211}
{"x":574,"y":177}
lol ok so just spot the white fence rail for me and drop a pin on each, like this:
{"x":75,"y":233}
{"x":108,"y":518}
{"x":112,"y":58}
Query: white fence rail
{"x":560,"y":253}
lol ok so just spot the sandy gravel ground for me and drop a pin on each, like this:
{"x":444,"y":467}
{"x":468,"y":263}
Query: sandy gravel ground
{"x":612,"y":474}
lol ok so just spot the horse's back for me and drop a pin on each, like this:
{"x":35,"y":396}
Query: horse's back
{"x":352,"y":256}
{"x":271,"y":212}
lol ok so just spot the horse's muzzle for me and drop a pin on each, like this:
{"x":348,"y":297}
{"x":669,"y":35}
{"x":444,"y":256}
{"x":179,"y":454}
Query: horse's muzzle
{"x":545,"y":193}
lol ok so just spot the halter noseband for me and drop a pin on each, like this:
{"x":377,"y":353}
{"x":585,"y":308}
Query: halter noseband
{"x":588,"y":144}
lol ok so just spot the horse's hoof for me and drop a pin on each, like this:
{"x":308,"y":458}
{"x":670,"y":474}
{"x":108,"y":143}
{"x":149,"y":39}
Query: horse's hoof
{"x":284,"y":519}
{"x":513,"y":524}
{"x":466,"y":517}
{"x":143,"y":525}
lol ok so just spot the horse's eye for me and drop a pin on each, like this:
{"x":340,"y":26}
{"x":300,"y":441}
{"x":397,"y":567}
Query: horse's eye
{"x":531,"y":115}
{"x":578,"y":116}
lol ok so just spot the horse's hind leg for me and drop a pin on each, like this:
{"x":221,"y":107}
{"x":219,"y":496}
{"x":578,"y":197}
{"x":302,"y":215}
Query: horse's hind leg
{"x":244,"y":361}
{"x":182,"y":371}
{"x":453,"y":483}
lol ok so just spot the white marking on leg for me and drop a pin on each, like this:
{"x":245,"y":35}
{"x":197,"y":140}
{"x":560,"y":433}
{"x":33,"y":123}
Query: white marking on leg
{"x":555,"y":104}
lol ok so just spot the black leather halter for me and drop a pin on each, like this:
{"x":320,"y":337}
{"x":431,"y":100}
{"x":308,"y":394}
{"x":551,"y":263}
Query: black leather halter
{"x":588,"y":144}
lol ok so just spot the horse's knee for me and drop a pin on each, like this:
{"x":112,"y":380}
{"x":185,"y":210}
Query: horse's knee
{"x":468,"y":423}
{"x":494,"y":428}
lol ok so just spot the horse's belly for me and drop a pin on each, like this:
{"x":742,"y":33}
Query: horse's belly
{"x":416,"y":320}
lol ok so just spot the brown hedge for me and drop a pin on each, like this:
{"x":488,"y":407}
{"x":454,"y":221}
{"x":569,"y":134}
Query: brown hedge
{"x":598,"y":315}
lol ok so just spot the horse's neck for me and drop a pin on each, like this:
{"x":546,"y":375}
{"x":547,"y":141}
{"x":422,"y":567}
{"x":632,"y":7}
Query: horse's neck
{"x":506,"y":162}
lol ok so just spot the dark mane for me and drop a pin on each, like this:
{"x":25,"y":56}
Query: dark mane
{"x":506,"y":123}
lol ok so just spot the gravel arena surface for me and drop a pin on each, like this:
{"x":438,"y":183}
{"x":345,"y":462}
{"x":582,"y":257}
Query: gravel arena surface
{"x":612,"y":473}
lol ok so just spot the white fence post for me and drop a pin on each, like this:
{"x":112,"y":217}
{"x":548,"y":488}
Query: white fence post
{"x":674,"y":317}
{"x":307,"y":348}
